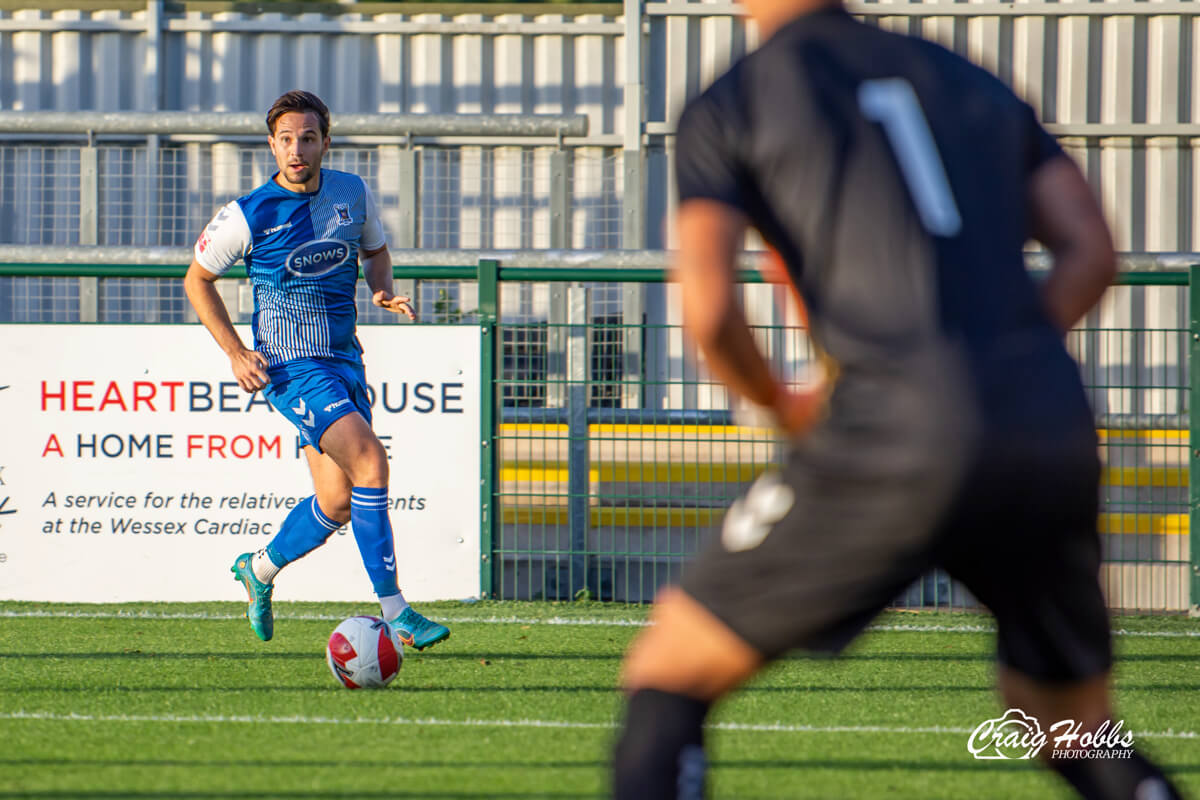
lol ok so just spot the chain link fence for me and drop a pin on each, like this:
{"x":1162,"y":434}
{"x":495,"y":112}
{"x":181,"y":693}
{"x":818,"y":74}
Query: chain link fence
{"x":518,"y":197}
{"x":617,"y":455}
{"x":604,"y":498}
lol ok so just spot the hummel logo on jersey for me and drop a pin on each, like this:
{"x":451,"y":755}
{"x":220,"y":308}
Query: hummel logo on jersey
{"x":343,"y":213}
{"x":221,"y":216}
{"x":302,"y":409}
{"x":389,"y":563}
{"x":277,"y":229}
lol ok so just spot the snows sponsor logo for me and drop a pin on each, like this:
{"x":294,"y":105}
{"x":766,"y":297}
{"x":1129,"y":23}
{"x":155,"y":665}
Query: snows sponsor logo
{"x":316,"y":258}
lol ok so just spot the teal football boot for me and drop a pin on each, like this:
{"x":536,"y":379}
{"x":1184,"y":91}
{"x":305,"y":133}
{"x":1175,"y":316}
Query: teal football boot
{"x":262,"y":621}
{"x":416,"y":631}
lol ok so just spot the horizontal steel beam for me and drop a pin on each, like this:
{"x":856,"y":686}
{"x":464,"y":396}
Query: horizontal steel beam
{"x":375,"y":27}
{"x":989,"y":8}
{"x":240,"y":123}
{"x":1063,"y":130}
{"x":641,"y":265}
{"x":654,"y":416}
{"x":39,"y":254}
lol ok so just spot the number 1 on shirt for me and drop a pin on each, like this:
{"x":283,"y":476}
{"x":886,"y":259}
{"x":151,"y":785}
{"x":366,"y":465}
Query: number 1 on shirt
{"x":893,"y":104}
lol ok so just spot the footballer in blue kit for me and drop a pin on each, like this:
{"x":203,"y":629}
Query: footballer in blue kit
{"x":301,"y":236}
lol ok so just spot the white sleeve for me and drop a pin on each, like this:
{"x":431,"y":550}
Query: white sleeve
{"x":372,"y":230}
{"x":224,"y":241}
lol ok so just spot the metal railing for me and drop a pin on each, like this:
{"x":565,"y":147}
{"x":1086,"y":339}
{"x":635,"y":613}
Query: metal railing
{"x":154,"y":179}
{"x":608,"y":455}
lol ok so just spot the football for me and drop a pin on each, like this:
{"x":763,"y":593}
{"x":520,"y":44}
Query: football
{"x":364,"y":653}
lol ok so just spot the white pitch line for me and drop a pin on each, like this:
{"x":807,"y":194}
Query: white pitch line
{"x":206,"y":616}
{"x":513,"y":620}
{"x":740,"y":727}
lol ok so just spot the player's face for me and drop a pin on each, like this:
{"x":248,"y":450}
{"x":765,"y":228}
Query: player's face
{"x":298,"y":147}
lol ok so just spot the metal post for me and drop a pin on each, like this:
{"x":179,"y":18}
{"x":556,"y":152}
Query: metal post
{"x":152,"y":67}
{"x":149,"y":186}
{"x":1194,"y":438}
{"x":633,"y":155}
{"x":406,"y":188}
{"x":89,"y":303}
{"x":633,"y":300}
{"x":152,"y":70}
{"x":578,"y":466}
{"x":556,"y":348}
{"x":560,"y":203}
{"x":634,"y":79}
{"x":489,"y":300}
{"x":402,"y":174}
{"x":633,"y":221}
{"x":89,"y":226}
{"x":89,"y":194}
{"x":633,"y":304}
{"x":556,"y":336}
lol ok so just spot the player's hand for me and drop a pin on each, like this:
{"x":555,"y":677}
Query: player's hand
{"x":798,"y":411}
{"x":250,"y":369}
{"x":396,"y":303}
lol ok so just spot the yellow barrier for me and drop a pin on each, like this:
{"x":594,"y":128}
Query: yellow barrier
{"x":639,"y":517}
{"x":700,"y":473}
{"x":649,"y":472}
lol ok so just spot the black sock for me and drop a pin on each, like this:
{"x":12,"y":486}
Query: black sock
{"x":1115,"y":777}
{"x":660,"y":755}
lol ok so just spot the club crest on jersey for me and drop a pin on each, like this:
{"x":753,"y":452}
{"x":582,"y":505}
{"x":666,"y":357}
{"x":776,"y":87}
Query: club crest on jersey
{"x":343,"y":213}
{"x":316,"y":258}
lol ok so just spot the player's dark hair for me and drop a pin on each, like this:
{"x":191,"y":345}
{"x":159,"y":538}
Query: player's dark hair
{"x":302,"y":101}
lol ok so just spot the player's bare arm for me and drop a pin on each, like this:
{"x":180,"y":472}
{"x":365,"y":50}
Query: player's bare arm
{"x":1067,"y":219}
{"x":710,"y":234}
{"x":249,"y":366}
{"x":377,"y":269}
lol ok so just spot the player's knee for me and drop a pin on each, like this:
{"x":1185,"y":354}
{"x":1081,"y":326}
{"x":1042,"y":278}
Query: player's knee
{"x":372,"y":469}
{"x":1086,"y":700}
{"x":688,"y":651}
{"x":366,"y":464}
{"x":335,"y":505}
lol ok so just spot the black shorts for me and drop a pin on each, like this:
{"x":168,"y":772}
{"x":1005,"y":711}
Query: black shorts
{"x":806,"y":559}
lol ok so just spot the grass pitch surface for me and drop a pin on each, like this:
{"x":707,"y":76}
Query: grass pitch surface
{"x":181,"y":700}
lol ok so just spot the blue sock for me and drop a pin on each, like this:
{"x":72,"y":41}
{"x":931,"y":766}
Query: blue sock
{"x":305,"y":529}
{"x":373,"y":532}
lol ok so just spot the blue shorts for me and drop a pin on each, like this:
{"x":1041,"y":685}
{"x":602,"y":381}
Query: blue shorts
{"x":314,"y":393}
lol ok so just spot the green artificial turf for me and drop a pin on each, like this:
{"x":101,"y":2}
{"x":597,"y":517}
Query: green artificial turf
{"x":180,"y":700}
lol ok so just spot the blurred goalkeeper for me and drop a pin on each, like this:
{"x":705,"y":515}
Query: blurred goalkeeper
{"x":899,"y":184}
{"x":301,"y":235}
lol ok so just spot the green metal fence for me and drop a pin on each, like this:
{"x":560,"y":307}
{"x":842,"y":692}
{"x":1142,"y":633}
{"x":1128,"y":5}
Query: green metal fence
{"x":607,"y":456}
{"x":607,"y":469}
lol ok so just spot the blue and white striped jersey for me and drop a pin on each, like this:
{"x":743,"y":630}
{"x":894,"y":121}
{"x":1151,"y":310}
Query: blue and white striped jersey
{"x":301,"y":252}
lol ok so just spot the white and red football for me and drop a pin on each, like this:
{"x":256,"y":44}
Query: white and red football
{"x":364,"y":653}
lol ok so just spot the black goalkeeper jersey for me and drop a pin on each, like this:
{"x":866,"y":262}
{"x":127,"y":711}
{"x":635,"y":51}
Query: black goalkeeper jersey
{"x":892,"y":177}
